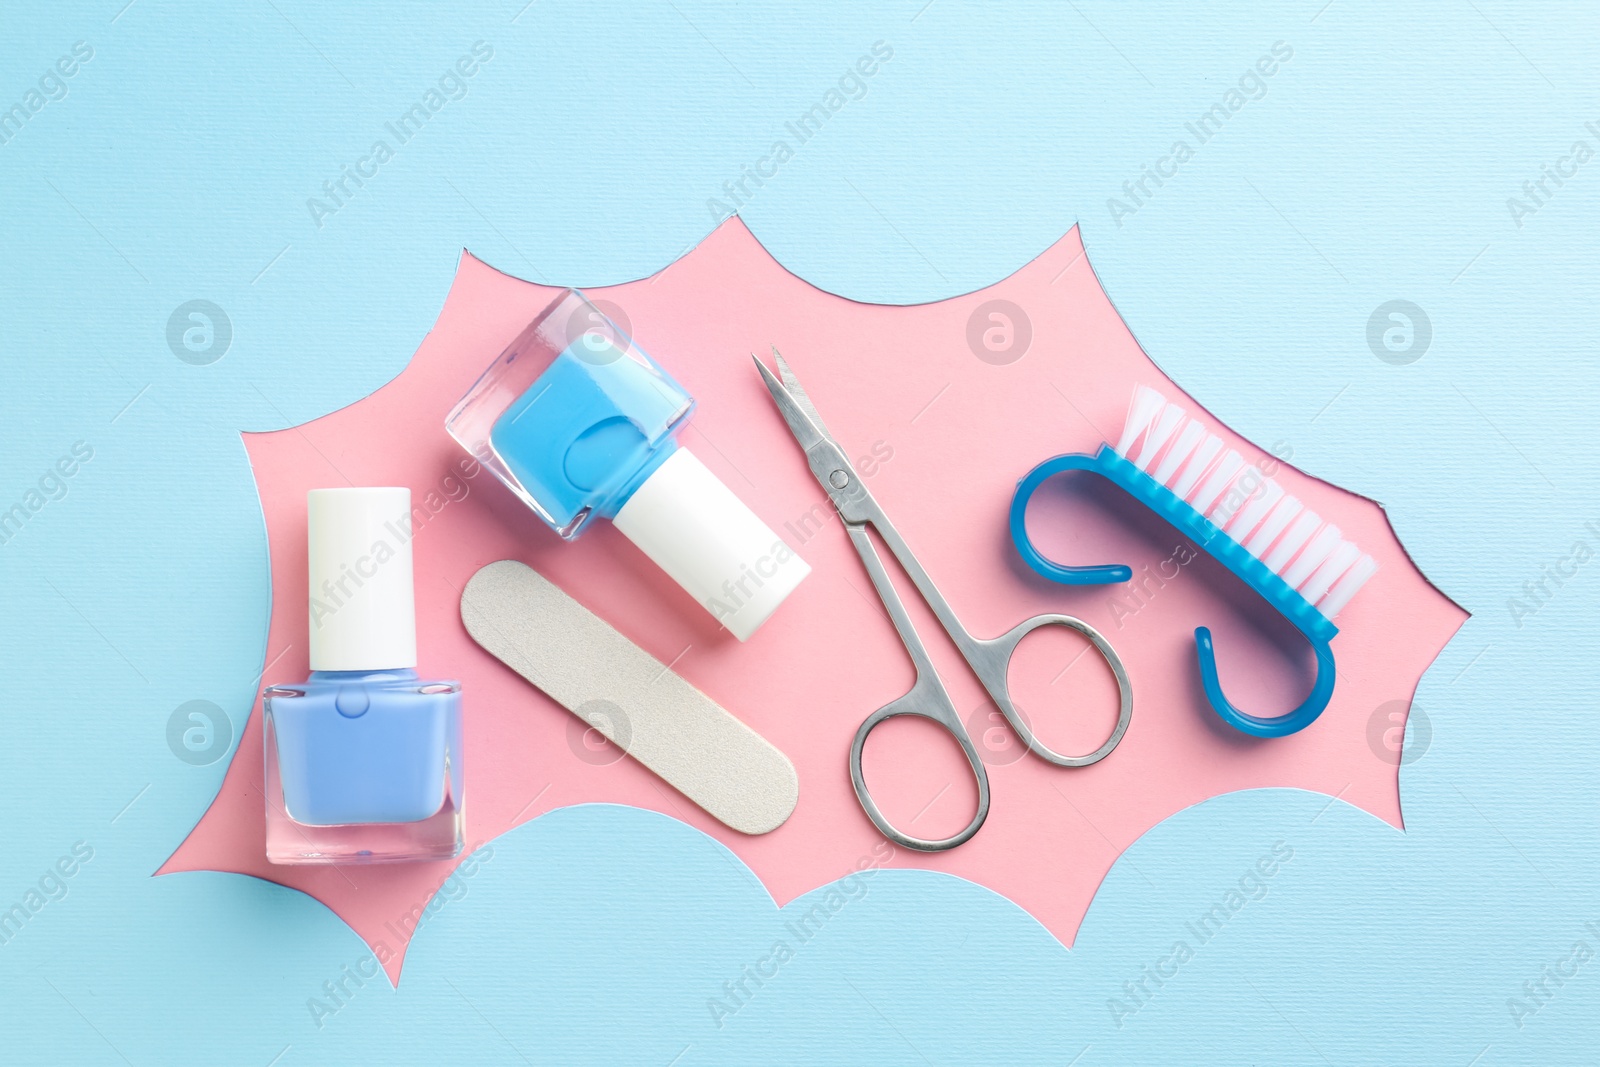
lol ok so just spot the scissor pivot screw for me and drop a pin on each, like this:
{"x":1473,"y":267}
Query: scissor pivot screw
{"x":839,"y":479}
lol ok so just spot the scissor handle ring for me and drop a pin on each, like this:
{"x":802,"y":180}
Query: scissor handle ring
{"x":870,"y":806}
{"x":995,"y":672}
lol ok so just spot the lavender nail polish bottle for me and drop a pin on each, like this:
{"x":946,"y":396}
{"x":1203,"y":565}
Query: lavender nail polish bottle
{"x":363,"y":759}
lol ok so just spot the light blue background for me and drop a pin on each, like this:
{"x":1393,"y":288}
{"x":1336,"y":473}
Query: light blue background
{"x":1377,"y":167}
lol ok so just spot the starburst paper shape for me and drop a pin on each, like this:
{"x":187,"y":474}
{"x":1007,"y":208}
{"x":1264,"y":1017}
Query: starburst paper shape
{"x":945,"y":406}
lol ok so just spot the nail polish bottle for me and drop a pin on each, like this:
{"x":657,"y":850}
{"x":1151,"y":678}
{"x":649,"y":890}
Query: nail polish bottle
{"x":582,"y":424}
{"x":363,"y":759}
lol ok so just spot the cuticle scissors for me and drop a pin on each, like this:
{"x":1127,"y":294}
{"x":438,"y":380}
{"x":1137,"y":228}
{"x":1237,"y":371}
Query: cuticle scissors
{"x":989,"y":659}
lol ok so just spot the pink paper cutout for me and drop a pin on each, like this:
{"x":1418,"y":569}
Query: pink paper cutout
{"x":962,"y":430}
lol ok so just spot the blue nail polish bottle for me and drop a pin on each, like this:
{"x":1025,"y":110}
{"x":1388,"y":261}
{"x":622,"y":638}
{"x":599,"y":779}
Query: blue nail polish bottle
{"x":363,"y":759}
{"x":582,"y":424}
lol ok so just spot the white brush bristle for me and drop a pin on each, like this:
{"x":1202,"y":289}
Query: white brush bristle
{"x":1178,"y":451}
{"x":1181,"y":450}
{"x":1331,"y":570}
{"x":1311,"y":557}
{"x":1282,"y":515}
{"x":1217,"y":482}
{"x":1247,"y":518}
{"x":1292,"y":541}
{"x":1142,"y":411}
{"x":1157,"y":436}
{"x":1203,"y":457}
{"x":1346,"y":587}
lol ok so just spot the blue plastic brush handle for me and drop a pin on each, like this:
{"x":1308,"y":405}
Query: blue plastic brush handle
{"x":1256,"y":725}
{"x":1057,"y":572}
{"x":1316,"y":627}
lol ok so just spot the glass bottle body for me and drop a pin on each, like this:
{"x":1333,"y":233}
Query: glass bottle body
{"x":363,"y":767}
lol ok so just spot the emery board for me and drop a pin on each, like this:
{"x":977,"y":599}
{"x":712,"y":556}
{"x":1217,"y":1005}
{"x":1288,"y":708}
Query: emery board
{"x":658,"y":718}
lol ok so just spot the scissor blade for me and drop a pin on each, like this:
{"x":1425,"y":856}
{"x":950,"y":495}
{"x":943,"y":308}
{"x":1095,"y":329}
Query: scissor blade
{"x":797,"y":391}
{"x":807,"y":433}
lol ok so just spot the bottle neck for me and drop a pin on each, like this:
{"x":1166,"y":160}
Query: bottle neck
{"x":662,"y":452}
{"x":399,"y":674}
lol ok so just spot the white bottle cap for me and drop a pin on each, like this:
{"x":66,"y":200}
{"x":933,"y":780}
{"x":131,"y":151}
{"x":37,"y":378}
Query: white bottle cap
{"x":363,"y":612}
{"x":723,"y":555}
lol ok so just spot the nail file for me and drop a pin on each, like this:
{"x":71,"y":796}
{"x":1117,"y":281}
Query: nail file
{"x":635,"y":700}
